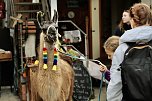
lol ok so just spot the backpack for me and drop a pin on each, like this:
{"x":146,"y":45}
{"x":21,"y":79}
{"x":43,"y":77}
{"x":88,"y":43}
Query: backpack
{"x":136,"y":73}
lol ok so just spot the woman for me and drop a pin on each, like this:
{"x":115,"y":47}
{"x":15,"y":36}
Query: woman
{"x":124,"y":24}
{"x":141,"y":21}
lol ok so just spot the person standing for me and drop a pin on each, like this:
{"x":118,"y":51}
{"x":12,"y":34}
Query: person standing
{"x":124,"y":24}
{"x":141,"y":23}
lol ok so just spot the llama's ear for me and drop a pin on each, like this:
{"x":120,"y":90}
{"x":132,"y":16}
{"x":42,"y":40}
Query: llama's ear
{"x":55,"y":17}
{"x":40,"y":18}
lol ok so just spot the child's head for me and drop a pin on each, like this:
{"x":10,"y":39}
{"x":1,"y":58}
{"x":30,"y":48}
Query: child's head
{"x":111,"y":45}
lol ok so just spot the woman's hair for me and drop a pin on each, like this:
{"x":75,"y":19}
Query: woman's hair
{"x":112,"y":43}
{"x":141,"y":14}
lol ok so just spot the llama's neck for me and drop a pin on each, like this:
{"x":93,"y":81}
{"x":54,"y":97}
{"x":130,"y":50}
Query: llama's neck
{"x":50,"y":53}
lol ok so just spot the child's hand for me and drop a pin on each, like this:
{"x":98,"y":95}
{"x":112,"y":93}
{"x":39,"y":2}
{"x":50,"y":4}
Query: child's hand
{"x":103,"y":68}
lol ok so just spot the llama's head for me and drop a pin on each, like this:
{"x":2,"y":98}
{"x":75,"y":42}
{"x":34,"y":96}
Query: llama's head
{"x":51,"y":33}
{"x":49,"y":28}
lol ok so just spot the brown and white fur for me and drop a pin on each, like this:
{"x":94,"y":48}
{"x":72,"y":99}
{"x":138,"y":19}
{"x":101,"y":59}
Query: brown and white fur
{"x":48,"y":84}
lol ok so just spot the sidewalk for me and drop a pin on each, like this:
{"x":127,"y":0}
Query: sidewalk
{"x":6,"y":94}
{"x":102,"y":96}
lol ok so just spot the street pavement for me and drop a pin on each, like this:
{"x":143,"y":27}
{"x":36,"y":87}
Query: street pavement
{"x":7,"y":95}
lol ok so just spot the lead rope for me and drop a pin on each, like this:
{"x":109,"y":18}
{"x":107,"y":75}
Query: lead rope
{"x":100,"y":90}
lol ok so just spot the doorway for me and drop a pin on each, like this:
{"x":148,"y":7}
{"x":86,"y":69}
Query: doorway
{"x":110,"y":15}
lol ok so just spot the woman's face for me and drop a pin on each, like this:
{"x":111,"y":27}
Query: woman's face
{"x":109,"y":53}
{"x":126,"y":17}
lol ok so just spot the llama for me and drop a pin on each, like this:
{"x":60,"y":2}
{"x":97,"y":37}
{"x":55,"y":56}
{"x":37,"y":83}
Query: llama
{"x":48,"y":84}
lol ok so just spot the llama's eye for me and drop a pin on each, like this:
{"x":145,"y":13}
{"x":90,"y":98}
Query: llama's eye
{"x":51,"y":36}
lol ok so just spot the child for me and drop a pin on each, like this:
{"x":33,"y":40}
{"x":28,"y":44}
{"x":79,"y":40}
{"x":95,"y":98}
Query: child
{"x":110,"y":46}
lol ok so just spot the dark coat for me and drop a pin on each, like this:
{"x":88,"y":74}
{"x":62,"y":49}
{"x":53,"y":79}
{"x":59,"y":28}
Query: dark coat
{"x":119,"y":31}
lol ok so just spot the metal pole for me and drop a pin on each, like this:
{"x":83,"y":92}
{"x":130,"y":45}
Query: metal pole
{"x":23,"y":78}
{"x":85,"y":35}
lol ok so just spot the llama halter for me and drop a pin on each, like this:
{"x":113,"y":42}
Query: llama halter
{"x":45,"y":59}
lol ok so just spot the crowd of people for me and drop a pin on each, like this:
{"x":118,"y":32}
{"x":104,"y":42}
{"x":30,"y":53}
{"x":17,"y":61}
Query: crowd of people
{"x":135,"y":26}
